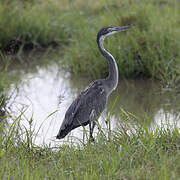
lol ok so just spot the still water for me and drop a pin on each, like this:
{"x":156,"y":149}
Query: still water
{"x":47,"y":94}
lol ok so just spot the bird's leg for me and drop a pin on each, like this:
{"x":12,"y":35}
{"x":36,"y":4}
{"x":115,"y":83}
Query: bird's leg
{"x":91,"y":126}
{"x":90,"y":131}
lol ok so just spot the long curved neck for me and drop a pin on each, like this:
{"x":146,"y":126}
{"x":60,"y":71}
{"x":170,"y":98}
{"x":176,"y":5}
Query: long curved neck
{"x":112,"y":80}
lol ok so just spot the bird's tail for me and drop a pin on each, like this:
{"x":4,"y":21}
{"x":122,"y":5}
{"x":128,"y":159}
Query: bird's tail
{"x":63,"y":132}
{"x":60,"y":136}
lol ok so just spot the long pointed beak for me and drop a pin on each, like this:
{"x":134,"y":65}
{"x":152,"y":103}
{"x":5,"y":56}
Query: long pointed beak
{"x":122,"y":28}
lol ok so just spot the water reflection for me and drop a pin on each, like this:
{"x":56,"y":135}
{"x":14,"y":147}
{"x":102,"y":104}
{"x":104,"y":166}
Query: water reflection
{"x":51,"y":89}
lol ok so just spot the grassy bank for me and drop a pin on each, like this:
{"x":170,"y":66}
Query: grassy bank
{"x":142,"y":155}
{"x":151,"y":49}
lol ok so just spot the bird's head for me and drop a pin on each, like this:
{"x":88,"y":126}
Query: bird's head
{"x":108,"y":30}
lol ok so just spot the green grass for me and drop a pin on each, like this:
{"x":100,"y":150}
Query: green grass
{"x":150,"y":49}
{"x":30,"y":23}
{"x":133,"y":152}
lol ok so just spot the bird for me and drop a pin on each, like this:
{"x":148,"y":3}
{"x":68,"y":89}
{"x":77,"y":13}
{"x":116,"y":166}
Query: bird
{"x":90,"y":103}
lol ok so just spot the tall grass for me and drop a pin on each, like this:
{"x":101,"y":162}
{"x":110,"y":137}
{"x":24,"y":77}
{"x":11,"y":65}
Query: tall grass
{"x":27,"y":22}
{"x":150,"y":49}
{"x":141,"y":154}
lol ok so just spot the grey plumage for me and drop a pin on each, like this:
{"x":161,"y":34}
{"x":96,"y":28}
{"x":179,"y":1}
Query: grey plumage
{"x":88,"y":106}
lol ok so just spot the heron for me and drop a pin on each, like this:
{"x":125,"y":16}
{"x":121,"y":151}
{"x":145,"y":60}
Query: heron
{"x":90,"y":103}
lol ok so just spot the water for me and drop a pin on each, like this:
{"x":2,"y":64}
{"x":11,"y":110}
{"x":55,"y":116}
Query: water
{"x":48,"y":93}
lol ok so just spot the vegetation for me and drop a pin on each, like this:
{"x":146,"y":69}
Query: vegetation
{"x":130,"y":153}
{"x":151,"y":49}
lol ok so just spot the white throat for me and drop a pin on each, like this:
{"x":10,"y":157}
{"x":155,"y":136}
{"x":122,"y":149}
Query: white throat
{"x":113,"y":69}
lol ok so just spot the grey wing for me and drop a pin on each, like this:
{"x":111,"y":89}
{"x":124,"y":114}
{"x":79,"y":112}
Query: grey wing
{"x":91,"y":99}
{"x":70,"y":113}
